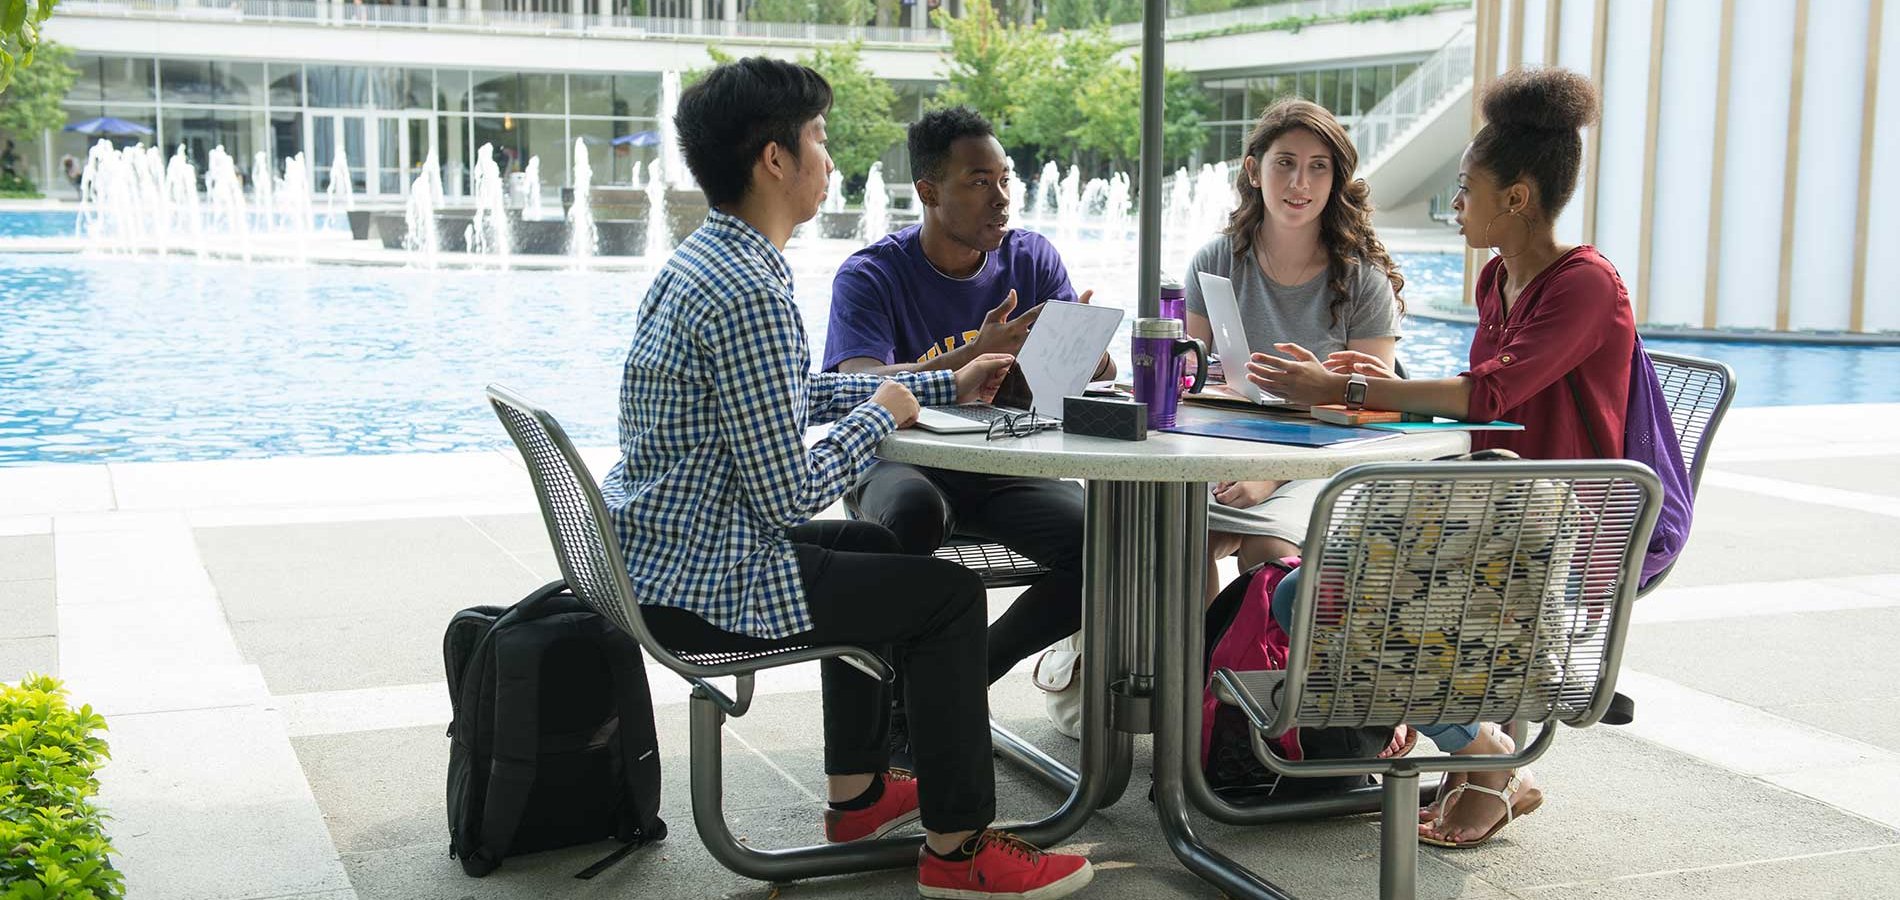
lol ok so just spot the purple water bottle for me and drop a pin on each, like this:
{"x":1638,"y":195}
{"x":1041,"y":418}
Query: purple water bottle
{"x":1173,"y":299}
{"x":1159,"y":344}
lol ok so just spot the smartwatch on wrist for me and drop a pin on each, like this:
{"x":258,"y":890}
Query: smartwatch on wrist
{"x":1356,"y":391}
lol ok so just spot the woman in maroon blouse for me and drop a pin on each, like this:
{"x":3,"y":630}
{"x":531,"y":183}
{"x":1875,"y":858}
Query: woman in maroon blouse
{"x":1552,"y":353}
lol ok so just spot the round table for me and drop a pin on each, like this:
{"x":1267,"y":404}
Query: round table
{"x":1145,"y":541}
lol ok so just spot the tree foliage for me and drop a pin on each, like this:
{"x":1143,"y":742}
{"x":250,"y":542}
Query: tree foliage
{"x":860,"y":125}
{"x":20,"y":22}
{"x":1070,"y":96}
{"x":32,"y":104}
{"x":822,"y":12}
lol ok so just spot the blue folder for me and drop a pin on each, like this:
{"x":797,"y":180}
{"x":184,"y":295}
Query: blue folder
{"x":1275,"y":431}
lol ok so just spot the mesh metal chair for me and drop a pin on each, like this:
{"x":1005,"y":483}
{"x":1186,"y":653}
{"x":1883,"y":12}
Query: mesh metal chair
{"x":591,"y":563}
{"x":1698,"y":392}
{"x":999,"y":566}
{"x":1454,"y":592}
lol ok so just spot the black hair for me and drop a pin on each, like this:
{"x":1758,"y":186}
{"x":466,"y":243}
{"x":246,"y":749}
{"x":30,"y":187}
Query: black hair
{"x":726,"y":119}
{"x":931,"y":137}
{"x":1532,"y":117}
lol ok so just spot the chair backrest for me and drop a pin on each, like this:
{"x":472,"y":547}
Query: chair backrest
{"x":576,"y":518}
{"x":1467,"y":591}
{"x":1699,"y":392}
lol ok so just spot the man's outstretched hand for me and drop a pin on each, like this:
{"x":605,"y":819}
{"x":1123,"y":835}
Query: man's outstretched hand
{"x":979,"y":378}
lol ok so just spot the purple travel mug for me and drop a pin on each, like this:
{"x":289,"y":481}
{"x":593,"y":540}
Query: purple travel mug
{"x":1173,"y":299}
{"x":1159,"y":344}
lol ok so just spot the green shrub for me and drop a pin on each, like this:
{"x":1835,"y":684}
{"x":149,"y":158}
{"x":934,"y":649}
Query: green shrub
{"x":52,"y":838}
{"x":14,"y":187}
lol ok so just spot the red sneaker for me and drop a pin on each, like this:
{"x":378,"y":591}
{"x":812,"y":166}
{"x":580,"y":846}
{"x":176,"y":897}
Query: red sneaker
{"x":1004,"y":867}
{"x":896,"y":809}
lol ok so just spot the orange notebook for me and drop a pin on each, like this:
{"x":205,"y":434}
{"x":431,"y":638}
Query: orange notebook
{"x":1338,"y":414}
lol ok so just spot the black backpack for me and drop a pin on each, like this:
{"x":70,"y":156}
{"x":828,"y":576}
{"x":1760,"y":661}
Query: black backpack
{"x":1232,"y":769}
{"x":552,"y":740}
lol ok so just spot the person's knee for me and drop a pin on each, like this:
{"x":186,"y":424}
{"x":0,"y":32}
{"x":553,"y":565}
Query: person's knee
{"x":867,"y":537}
{"x":914,"y":513}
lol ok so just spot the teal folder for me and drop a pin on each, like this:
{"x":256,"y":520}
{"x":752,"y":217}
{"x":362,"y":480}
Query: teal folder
{"x":1417,"y":427}
{"x":1274,"y":431}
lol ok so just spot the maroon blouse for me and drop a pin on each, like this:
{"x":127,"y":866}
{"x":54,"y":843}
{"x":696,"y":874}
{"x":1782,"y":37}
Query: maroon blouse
{"x":1573,"y":317}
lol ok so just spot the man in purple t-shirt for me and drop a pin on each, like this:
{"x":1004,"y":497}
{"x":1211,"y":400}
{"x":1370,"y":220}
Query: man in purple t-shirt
{"x":931,"y":297}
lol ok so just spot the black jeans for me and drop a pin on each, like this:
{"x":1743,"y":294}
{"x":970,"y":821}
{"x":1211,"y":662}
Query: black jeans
{"x":1040,"y":518}
{"x":854,"y":574}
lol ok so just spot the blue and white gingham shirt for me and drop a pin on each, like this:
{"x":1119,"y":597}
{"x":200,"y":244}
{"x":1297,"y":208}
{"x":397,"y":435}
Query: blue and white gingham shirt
{"x":713,"y":409}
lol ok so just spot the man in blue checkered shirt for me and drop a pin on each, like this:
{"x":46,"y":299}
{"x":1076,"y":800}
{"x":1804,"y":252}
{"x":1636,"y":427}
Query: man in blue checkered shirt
{"x":713,"y":497}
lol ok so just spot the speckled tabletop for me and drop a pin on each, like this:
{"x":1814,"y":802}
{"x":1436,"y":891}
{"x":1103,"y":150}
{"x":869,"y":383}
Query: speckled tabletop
{"x":1162,"y":457}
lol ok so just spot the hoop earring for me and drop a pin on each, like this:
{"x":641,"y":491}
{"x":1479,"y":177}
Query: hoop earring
{"x":1500,"y":247}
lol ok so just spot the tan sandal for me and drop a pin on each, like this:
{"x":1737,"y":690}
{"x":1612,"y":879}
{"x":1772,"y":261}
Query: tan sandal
{"x":1514,"y":808}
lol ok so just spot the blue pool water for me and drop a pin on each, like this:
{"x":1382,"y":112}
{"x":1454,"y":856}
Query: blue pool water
{"x":35,"y":224}
{"x":114,"y":358}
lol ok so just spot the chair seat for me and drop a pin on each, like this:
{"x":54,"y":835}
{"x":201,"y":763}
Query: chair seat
{"x":1257,"y":694}
{"x":999,"y":566}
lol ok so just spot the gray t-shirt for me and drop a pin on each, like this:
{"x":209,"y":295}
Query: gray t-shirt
{"x":1302,"y":314}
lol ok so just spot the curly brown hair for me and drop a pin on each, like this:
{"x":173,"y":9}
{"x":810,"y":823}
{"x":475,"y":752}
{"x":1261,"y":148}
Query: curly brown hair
{"x":1531,"y":122}
{"x":1345,"y":225}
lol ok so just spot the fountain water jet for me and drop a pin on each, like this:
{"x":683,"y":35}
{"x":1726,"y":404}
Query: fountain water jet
{"x":583,"y":238}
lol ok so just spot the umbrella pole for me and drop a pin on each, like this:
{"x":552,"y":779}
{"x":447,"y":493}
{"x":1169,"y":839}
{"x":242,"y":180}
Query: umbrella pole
{"x":1153,"y":78}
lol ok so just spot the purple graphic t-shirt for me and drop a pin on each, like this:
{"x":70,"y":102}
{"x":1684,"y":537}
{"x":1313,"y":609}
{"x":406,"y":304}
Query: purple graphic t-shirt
{"x":890,"y":304}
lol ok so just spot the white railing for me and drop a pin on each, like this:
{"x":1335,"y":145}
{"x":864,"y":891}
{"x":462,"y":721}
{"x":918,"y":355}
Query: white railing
{"x":1447,"y":70}
{"x":351,"y":15}
{"x":1257,"y":15}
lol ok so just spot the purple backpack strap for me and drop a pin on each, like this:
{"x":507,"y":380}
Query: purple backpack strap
{"x":1649,"y":437}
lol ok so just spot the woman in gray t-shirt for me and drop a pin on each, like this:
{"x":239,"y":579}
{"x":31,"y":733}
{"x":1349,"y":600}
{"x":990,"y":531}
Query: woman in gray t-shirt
{"x":1308,"y":271}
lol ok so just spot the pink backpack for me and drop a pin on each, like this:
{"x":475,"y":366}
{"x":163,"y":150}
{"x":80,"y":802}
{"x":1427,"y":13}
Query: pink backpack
{"x":1242,"y":635}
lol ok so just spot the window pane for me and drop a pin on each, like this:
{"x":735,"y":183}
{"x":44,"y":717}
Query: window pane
{"x":452,"y":84}
{"x":1328,"y":91}
{"x":636,"y":95}
{"x":286,"y":84}
{"x":545,"y":139}
{"x":185,"y":80}
{"x":406,"y":89}
{"x":286,"y":137}
{"x":239,"y":131}
{"x":496,"y":92}
{"x":590,"y":95}
{"x":499,"y":132}
{"x":127,"y":78}
{"x":340,"y":87}
{"x":239,"y":83}
{"x":451,"y":136}
{"x":543,"y":95}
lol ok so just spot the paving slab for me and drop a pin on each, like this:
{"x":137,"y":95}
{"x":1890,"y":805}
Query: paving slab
{"x":28,"y":609}
{"x":26,"y":557}
{"x":1871,"y":719}
{"x":41,"y":489}
{"x":220,"y":807}
{"x":1770,"y":660}
{"x":1846,"y":875}
{"x":1745,"y":536}
{"x":1618,"y":806}
{"x":1868,"y":474}
{"x":287,"y":572}
{"x":317,"y":481}
{"x":37,"y":655}
{"x":337,"y":653}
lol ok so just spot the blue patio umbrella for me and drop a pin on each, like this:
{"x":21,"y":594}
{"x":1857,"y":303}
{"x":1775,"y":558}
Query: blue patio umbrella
{"x":108,"y":126}
{"x":638,"y":139}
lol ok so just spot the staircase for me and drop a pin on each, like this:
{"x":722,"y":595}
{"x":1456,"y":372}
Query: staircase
{"x":1419,"y":128}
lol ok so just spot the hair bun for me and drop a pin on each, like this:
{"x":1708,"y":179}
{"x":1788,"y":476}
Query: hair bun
{"x":1550,"y":99}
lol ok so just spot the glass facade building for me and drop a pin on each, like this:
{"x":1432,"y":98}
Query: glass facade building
{"x":385,"y":120}
{"x":1349,"y":92}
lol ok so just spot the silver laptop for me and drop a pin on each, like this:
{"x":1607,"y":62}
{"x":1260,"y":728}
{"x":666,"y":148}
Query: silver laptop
{"x":1056,"y":361}
{"x":1230,"y":338}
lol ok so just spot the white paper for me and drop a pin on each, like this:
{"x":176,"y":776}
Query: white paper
{"x":1063,"y":349}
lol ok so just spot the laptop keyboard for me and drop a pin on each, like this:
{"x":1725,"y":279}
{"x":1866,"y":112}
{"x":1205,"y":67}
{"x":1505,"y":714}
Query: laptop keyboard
{"x":984,"y":414}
